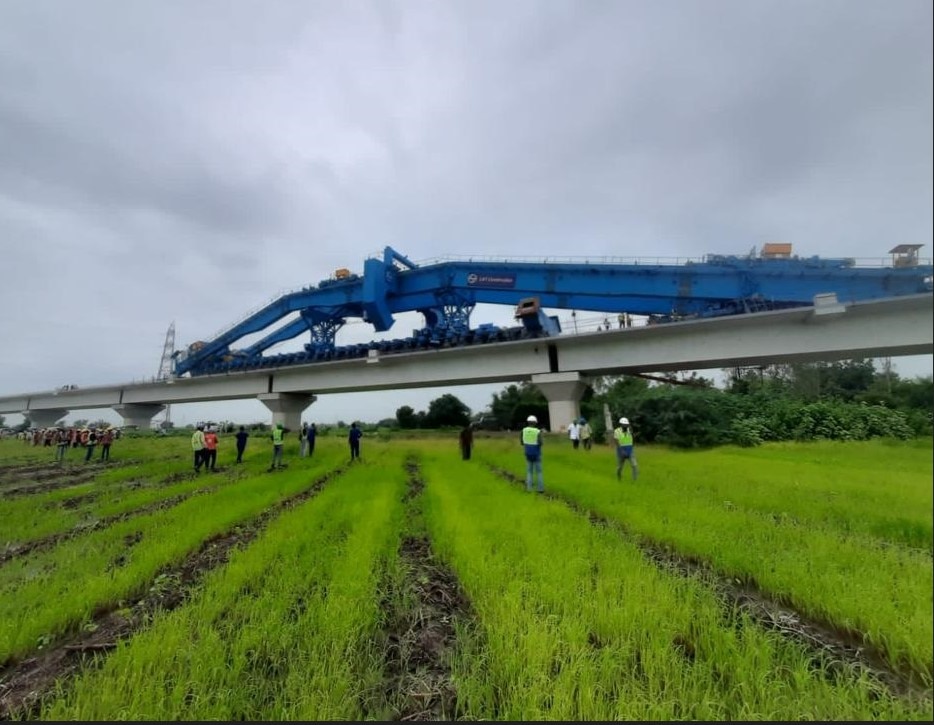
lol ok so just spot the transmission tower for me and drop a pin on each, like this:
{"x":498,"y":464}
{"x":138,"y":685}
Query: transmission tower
{"x":165,"y":365}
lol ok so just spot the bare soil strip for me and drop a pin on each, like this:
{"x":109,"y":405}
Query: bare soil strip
{"x":16,"y":550}
{"x":23,"y":685}
{"x":26,"y":469}
{"x":37,"y":478}
{"x":47,"y":542}
{"x":63,"y":479}
{"x":836,"y":651}
{"x":419,"y":640}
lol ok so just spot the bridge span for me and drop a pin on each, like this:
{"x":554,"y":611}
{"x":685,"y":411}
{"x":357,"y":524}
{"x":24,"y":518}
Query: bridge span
{"x":560,"y":366}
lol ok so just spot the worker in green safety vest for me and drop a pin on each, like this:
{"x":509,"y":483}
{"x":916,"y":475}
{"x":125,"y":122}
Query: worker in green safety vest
{"x":624,"y":449}
{"x":278,"y":433}
{"x":532,"y":446}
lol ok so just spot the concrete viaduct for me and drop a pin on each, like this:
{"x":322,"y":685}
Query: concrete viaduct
{"x":559,"y":366}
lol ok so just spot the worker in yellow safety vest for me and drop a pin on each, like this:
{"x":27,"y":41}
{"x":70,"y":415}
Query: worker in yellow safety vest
{"x":624,"y":449}
{"x":278,"y":433}
{"x":532,"y":447}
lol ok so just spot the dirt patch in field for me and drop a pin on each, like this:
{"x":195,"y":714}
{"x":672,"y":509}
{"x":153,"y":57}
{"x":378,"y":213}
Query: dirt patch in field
{"x":25,"y":470}
{"x":29,"y":479}
{"x":47,"y":542}
{"x":70,"y":504}
{"x":836,"y":652}
{"x":419,"y":639}
{"x":23,"y":685}
{"x":12,"y":551}
{"x":63,"y":478}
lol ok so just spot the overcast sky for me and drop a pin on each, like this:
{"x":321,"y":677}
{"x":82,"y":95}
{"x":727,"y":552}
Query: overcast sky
{"x":188,"y":161}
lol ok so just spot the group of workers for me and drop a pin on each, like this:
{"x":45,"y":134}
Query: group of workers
{"x":62,"y":438}
{"x":579,"y":432}
{"x":531,"y":440}
{"x":204,"y":446}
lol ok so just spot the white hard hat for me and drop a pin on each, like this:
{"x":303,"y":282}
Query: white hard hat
{"x":624,"y":421}
{"x":532,"y":419}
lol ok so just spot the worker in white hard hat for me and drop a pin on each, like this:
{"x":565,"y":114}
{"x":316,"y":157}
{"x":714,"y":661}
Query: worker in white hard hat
{"x":624,"y":449}
{"x":531,"y":439}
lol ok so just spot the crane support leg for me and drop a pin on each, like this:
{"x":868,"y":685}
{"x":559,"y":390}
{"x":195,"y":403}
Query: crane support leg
{"x":375,"y":290}
{"x":287,"y":408}
{"x":138,"y":414}
{"x":563,"y":392}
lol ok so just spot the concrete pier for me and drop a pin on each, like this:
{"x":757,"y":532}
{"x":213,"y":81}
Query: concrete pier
{"x":45,"y":418}
{"x":139,"y":415}
{"x":287,"y":408}
{"x":563,"y":392}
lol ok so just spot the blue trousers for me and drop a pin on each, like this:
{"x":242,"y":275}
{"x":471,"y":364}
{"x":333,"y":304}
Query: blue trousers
{"x":533,"y":467}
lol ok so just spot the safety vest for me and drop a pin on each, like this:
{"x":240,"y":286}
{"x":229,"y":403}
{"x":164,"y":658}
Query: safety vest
{"x":530,"y":436}
{"x":277,"y":436}
{"x":623,"y":437}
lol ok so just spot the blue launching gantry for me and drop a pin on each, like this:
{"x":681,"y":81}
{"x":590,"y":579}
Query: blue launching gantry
{"x":446,"y":293}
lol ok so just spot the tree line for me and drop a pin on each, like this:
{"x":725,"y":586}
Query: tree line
{"x":844,"y":400}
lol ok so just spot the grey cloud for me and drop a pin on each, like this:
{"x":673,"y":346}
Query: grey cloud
{"x":45,"y":161}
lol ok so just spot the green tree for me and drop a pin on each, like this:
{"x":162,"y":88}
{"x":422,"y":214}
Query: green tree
{"x":684,"y":417}
{"x":513,"y":405}
{"x":406,"y":417}
{"x":619,"y":392}
{"x":448,"y":410}
{"x":742,"y":381}
{"x":846,"y":379}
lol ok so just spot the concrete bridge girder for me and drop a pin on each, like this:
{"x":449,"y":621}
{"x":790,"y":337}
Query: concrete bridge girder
{"x":287,"y":408}
{"x":563,"y":392}
{"x":139,"y":415}
{"x":828,"y":331}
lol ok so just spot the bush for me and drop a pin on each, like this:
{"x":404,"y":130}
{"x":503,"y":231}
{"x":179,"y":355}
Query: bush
{"x":748,"y":431}
{"x":691,"y":417}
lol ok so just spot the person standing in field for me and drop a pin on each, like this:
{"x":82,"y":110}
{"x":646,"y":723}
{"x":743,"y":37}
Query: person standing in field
{"x":62,"y":442}
{"x":106,"y":440}
{"x":466,"y":441}
{"x":278,"y":435}
{"x":303,"y":441}
{"x":197,"y":447}
{"x":531,"y":439}
{"x":353,"y":438}
{"x":586,"y":434}
{"x":310,"y":436}
{"x":210,"y":449}
{"x":574,"y":434}
{"x":624,"y":449}
{"x":90,"y":445}
{"x":242,"y":435}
